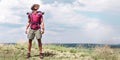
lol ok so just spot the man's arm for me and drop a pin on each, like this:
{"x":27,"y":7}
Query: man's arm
{"x":42,"y":26}
{"x":27,"y":26}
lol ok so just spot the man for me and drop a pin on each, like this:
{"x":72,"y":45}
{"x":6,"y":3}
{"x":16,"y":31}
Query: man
{"x":36,"y":24}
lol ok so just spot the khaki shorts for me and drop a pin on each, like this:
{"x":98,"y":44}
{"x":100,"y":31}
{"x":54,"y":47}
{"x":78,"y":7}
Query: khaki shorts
{"x":34,"y":33}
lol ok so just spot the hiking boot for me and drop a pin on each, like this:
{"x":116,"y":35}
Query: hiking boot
{"x":41,"y":55}
{"x":28,"y":55}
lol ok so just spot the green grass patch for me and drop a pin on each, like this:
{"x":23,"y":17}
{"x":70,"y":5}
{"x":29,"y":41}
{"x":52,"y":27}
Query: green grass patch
{"x":58,"y":52}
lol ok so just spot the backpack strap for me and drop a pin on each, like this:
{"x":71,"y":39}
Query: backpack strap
{"x":29,"y":16}
{"x":40,"y":13}
{"x":28,"y":13}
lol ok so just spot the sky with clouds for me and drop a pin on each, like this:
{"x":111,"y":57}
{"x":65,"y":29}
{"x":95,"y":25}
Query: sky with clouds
{"x":66,"y":21}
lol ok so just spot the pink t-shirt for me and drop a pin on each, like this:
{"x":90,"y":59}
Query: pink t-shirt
{"x":35,"y":20}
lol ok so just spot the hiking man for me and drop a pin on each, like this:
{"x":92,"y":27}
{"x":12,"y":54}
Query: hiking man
{"x":36,"y":24}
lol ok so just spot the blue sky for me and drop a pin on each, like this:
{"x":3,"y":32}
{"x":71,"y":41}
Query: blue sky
{"x":66,"y":21}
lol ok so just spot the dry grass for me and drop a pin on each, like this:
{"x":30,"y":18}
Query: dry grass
{"x":55,"y":52}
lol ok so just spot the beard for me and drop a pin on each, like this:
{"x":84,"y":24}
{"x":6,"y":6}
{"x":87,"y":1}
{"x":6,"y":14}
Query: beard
{"x":35,"y":9}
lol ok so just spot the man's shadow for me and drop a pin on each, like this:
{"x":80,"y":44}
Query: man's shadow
{"x":45,"y":54}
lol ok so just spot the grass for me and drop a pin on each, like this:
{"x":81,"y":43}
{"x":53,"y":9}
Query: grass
{"x":59,"y":52}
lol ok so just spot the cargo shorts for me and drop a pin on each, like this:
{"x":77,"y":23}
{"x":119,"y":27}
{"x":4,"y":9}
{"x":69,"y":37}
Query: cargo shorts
{"x":34,"y":33}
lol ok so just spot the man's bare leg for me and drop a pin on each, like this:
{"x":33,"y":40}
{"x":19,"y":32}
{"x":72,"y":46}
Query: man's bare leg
{"x":40,"y":45}
{"x":29,"y":47}
{"x":40,"y":48}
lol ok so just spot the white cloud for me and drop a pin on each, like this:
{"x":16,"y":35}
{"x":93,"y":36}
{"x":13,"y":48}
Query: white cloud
{"x":13,"y":12}
{"x":116,"y":38}
{"x":90,"y":5}
{"x":92,"y":28}
{"x":91,"y":25}
{"x":11,"y":9}
{"x":112,"y":40}
{"x":97,"y":30}
{"x":97,"y":5}
{"x":11,"y":35}
{"x":7,"y":14}
{"x":60,"y":13}
{"x":113,"y":5}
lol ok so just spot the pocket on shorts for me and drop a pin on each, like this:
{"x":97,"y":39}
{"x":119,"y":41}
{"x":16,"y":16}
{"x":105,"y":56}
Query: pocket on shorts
{"x":38,"y":34}
{"x":30,"y":34}
{"x":30,"y":31}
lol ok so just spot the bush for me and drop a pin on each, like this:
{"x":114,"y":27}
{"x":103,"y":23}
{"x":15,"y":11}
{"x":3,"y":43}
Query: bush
{"x":104,"y":53}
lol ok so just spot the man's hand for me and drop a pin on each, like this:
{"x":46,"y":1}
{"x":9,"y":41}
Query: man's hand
{"x":42,"y":31}
{"x":26,"y":31}
{"x":27,"y":26}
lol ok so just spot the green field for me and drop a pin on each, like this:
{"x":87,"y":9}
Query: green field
{"x":58,"y":52}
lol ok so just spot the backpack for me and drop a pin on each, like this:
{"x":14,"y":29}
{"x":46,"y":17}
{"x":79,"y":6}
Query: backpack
{"x":35,"y":20}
